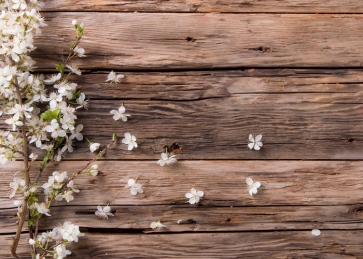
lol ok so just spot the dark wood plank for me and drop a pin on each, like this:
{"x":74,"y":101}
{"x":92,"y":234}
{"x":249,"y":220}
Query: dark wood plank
{"x":276,"y":244}
{"x":224,"y":183}
{"x":204,"y":41}
{"x":235,"y":6}
{"x":196,"y":219}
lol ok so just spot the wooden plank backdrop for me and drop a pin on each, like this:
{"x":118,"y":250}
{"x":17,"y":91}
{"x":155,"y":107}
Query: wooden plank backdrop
{"x":207,"y":74}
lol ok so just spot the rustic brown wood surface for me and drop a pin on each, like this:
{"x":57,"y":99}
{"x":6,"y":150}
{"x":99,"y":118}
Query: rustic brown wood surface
{"x":204,"y":41}
{"x":207,"y":74}
{"x":206,"y":6}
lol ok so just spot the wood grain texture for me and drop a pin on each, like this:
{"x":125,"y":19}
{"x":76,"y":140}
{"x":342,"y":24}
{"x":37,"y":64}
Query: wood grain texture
{"x":277,"y":244}
{"x":234,"y":6}
{"x":224,"y":183}
{"x":137,"y":219}
{"x":204,"y":41}
{"x":302,"y":114}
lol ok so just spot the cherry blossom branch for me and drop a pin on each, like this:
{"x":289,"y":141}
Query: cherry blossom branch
{"x":100,"y":154}
{"x":22,"y":213}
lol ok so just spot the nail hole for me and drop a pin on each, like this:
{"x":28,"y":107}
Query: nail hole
{"x":190,"y":39}
{"x":228,"y":220}
{"x":350,"y":139}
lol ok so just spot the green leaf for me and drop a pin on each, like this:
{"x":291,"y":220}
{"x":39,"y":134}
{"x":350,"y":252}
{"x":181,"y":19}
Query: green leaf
{"x":60,"y":67}
{"x":59,"y":142}
{"x":76,"y":95}
{"x":32,"y":199}
{"x":30,"y":222}
{"x":50,"y":115}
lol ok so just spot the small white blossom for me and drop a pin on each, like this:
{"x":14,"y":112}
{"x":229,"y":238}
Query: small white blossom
{"x":33,"y":156}
{"x":94,"y":146}
{"x":53,"y":79}
{"x":130,"y":141}
{"x":82,"y":102}
{"x":54,"y":129}
{"x":68,"y":231}
{"x":61,"y":251}
{"x":256,"y":143}
{"x":113,"y":78}
{"x":157,"y":224}
{"x":166,"y":160}
{"x":42,"y":208}
{"x":17,"y":185}
{"x":74,"y":70}
{"x":194,"y":196}
{"x":77,"y":133}
{"x":93,"y":170}
{"x":135,"y":188}
{"x":252,"y":186}
{"x":79,"y":52}
{"x":103,"y":213}
{"x":315,"y":232}
{"x":119,"y":114}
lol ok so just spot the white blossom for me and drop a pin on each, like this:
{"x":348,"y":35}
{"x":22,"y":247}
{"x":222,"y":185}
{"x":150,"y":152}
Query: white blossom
{"x":93,"y":170}
{"x":103,"y":213}
{"x":113,"y":78}
{"x":315,"y":232}
{"x":194,"y":196}
{"x":252,"y":186}
{"x":94,"y":146}
{"x":130,"y":141}
{"x":42,"y":208}
{"x":54,"y":129}
{"x":69,"y":231}
{"x":77,"y":133}
{"x":134,"y":187}
{"x":255,"y":142}
{"x":166,"y":160}
{"x":79,"y":52}
{"x":53,"y":79}
{"x":120,"y":114}
{"x":61,"y":251}
{"x":74,"y":69}
{"x":82,"y":102}
{"x":157,"y":225}
{"x":16,"y":185}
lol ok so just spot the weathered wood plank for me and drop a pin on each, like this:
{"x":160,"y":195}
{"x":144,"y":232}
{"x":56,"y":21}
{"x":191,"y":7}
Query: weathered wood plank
{"x":276,"y":244}
{"x":204,"y":41}
{"x":302,"y":114}
{"x":138,"y":218}
{"x":196,"y":85}
{"x":235,"y":6}
{"x":224,"y":183}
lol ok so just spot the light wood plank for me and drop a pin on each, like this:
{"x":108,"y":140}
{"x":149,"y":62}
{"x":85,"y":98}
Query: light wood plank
{"x":224,"y":183}
{"x":276,"y":244}
{"x":235,"y":6}
{"x":196,"y":219}
{"x":204,"y":41}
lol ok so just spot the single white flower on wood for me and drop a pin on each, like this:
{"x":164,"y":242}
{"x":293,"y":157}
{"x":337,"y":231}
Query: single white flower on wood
{"x":166,"y":160}
{"x":103,"y":213}
{"x":252,"y":186}
{"x":135,"y":188}
{"x":94,"y":146}
{"x":157,"y":224}
{"x":120,"y":114}
{"x":113,"y":78}
{"x":194,"y":196}
{"x":130,"y":141}
{"x":255,"y":142}
{"x":315,"y":232}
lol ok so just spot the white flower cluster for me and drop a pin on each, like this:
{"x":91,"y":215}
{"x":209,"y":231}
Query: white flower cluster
{"x":61,"y":235}
{"x":21,"y":92}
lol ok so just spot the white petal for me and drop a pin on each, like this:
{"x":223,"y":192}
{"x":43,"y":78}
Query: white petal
{"x":258,"y":137}
{"x":188,"y":195}
{"x":192,"y":200}
{"x":200,"y":193}
{"x":249,"y":181}
{"x":256,"y":147}
{"x":250,"y":191}
{"x":131,"y":182}
{"x":251,"y":138}
{"x":257,"y":184}
{"x":250,"y":145}
{"x":121,"y":109}
{"x":315,"y":232}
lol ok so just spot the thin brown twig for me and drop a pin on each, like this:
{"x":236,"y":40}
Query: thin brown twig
{"x":23,"y":213}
